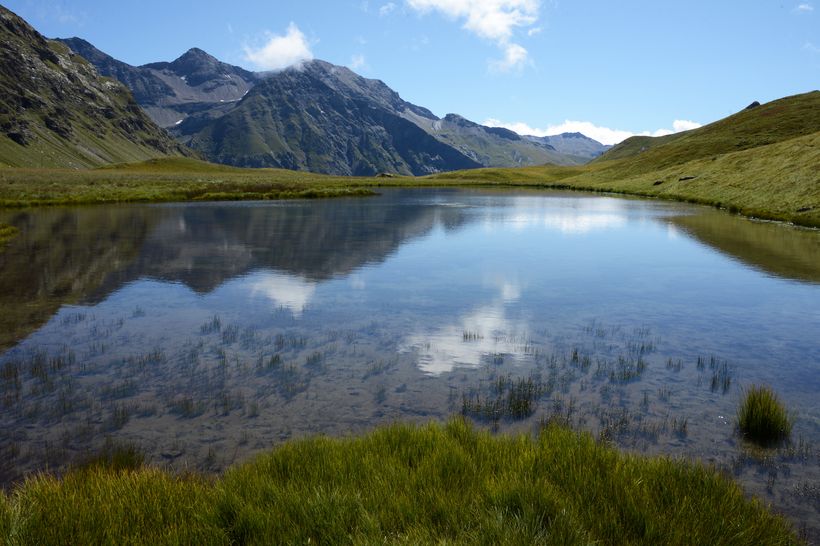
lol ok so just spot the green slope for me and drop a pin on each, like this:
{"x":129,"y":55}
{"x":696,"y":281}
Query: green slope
{"x":56,"y":111}
{"x":762,"y":162}
{"x":770,"y":123}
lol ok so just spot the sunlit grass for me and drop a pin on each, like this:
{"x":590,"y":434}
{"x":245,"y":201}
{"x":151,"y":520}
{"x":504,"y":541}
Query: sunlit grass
{"x":762,"y":417}
{"x":402,"y":484}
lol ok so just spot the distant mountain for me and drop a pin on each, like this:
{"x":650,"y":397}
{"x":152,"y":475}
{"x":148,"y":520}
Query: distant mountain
{"x":493,"y":146}
{"x":55,"y":109}
{"x":322,"y":118}
{"x":573,"y":144}
{"x":169,"y":92}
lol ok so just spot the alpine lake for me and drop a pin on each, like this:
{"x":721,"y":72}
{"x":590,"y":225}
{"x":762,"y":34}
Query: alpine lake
{"x":203,"y":333}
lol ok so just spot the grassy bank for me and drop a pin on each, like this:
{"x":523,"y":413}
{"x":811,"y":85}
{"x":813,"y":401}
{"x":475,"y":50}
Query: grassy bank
{"x":402,"y":484}
{"x":167,"y":179}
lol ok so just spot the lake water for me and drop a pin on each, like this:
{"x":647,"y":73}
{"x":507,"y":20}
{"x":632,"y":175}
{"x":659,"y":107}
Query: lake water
{"x":204,"y":333}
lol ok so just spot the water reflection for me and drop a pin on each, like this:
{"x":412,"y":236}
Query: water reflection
{"x":481,"y":336}
{"x":569,"y":216}
{"x":780,"y":251}
{"x":285,"y":291}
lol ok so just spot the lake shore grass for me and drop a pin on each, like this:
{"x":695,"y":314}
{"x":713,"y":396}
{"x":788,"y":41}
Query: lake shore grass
{"x":774,"y":182}
{"x":166,"y":180}
{"x":401,"y":484}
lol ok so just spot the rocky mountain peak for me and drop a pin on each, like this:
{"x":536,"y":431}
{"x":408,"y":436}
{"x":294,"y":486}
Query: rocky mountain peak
{"x":192,"y":61}
{"x":459,"y":120}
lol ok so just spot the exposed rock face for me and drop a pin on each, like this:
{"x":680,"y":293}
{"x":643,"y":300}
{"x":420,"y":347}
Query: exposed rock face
{"x":55,"y":109}
{"x":170,"y":92}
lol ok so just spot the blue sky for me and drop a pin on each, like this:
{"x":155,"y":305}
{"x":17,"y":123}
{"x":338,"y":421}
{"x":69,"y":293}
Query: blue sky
{"x":607,"y":68}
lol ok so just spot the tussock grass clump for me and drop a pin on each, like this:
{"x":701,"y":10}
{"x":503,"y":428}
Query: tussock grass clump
{"x":7,"y":233}
{"x":114,"y":456}
{"x":99,"y":506}
{"x":402,"y":484}
{"x":762,"y":417}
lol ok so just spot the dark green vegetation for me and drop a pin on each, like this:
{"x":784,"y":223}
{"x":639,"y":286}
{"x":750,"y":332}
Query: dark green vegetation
{"x":55,"y":111}
{"x":759,"y":162}
{"x":166,"y":179}
{"x":401,"y":484}
{"x":7,"y":233}
{"x":762,"y":417}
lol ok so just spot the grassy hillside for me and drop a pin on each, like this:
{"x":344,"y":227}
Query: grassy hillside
{"x":56,"y":111}
{"x":447,"y":484}
{"x":761,"y":162}
{"x":770,"y":123}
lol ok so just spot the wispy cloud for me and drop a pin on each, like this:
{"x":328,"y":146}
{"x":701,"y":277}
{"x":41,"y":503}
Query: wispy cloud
{"x":495,"y":20}
{"x":808,"y":46}
{"x":515,"y":57}
{"x":62,"y":13}
{"x":280,"y":51}
{"x":805,"y":7}
{"x":387,"y":9}
{"x":357,"y":62}
{"x":604,"y":135}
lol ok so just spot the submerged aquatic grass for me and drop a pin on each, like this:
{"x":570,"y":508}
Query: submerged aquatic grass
{"x":447,"y":483}
{"x":762,"y":417}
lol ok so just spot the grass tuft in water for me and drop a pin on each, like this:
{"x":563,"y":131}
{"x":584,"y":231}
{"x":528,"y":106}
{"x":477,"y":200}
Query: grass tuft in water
{"x":762,"y":417}
{"x":114,"y":456}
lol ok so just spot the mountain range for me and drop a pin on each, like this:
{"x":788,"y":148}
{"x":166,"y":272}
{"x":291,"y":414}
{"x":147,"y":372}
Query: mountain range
{"x":66,"y":103}
{"x":319,"y":117}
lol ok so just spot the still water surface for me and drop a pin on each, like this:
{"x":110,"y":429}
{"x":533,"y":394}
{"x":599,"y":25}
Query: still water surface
{"x":207,"y":332}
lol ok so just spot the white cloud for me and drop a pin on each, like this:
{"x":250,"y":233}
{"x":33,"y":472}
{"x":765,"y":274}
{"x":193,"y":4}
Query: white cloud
{"x":357,"y":62}
{"x":804,"y":8}
{"x":289,"y":292}
{"x":808,"y":46}
{"x":604,"y":135}
{"x":387,"y":9}
{"x":280,"y":52}
{"x":515,"y":57}
{"x":534,"y":31}
{"x":684,"y":125}
{"x":495,"y":20}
